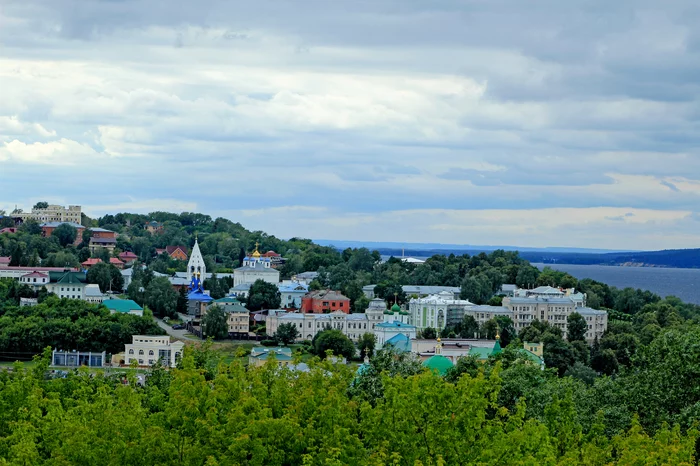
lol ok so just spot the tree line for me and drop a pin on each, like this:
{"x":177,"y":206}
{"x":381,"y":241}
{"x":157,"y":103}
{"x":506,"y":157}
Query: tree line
{"x":393,"y":412}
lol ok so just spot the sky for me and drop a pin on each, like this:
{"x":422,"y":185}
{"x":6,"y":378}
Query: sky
{"x":541,"y":123}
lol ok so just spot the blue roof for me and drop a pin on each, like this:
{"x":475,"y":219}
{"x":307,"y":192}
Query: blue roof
{"x":198,"y":295}
{"x":288,"y":287}
{"x":55,"y":224}
{"x":401,"y":342}
{"x":395,"y":324}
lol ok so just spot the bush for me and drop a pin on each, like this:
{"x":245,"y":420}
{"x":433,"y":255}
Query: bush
{"x":269,"y":342}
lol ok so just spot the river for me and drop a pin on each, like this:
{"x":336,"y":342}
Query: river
{"x":683,"y":283}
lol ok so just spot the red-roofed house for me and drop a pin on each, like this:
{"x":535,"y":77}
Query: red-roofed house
{"x":175,"y":252}
{"x":324,"y":302}
{"x":116,"y":262}
{"x":90,"y":262}
{"x":275,"y":259}
{"x":5,"y":261}
{"x":35,"y":279}
{"x":128,"y":257}
{"x":102,"y":238}
{"x":8,"y":230}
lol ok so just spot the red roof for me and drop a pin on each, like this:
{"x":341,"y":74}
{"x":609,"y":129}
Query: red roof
{"x":9,"y":230}
{"x":128,"y":255}
{"x":171,"y":249}
{"x":271,"y":254}
{"x":92,"y":261}
{"x":114,"y":260}
{"x":5,"y":260}
{"x":42,"y":269}
{"x":35,"y":274}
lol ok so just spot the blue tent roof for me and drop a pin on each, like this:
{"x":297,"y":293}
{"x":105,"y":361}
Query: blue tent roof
{"x":198,"y":295}
{"x":401,"y":342}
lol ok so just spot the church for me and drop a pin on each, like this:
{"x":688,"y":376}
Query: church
{"x":255,"y":267}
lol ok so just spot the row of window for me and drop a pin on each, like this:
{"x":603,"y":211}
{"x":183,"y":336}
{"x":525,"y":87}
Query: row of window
{"x":150,"y":352}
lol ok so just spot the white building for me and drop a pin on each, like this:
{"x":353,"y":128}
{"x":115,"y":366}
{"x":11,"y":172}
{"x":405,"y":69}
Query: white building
{"x":291,"y":293}
{"x":388,"y":330}
{"x":67,"y":284}
{"x":255,"y":267}
{"x":35,"y":279}
{"x":54,"y":213}
{"x":436,"y":310}
{"x":308,"y":325}
{"x":92,"y":294}
{"x":146,"y":350}
{"x":556,"y":311}
{"x":418,"y":290}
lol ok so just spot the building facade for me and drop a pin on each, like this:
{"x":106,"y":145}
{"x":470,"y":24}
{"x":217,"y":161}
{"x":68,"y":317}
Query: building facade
{"x":324,"y":302}
{"x":255,"y":267}
{"x":387,"y":331}
{"x":308,"y":325}
{"x":54,"y":213}
{"x":102,"y":238}
{"x":67,"y":284}
{"x":48,"y":228}
{"x":237,"y":316}
{"x":435,"y":311}
{"x":292,"y":294}
{"x":556,"y":311}
{"x":146,"y":350}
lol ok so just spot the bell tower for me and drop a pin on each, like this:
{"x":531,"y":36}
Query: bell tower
{"x":196,"y":263}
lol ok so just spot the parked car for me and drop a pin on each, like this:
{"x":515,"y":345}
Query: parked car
{"x":178,"y":327}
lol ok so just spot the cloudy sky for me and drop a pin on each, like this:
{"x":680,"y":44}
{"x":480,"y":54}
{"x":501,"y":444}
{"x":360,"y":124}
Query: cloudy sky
{"x":458,"y":121}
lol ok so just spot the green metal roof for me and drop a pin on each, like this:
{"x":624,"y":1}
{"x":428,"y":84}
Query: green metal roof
{"x":121,"y":305}
{"x":438,"y":363}
{"x":67,"y":278}
{"x":481,"y":354}
{"x":530,"y":356}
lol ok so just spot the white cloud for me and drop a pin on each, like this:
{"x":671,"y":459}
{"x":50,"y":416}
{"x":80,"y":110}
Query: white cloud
{"x":388,"y":106}
{"x":61,"y":152}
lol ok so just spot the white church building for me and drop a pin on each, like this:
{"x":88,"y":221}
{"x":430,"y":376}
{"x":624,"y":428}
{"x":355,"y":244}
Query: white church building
{"x":255,"y":267}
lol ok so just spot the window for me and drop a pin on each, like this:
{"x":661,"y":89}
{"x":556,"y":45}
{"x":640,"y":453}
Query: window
{"x":150,"y":352}
{"x":140,"y":352}
{"x":151,"y":362}
{"x":131,"y":351}
{"x":141,"y":361}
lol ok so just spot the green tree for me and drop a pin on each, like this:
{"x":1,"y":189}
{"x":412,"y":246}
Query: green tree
{"x":161,"y":297}
{"x":476,"y":289}
{"x":469,"y":327}
{"x":286,"y":333}
{"x":366,"y":344}
{"x":65,"y":234}
{"x":41,"y":205}
{"x":106,"y":276}
{"x":263,"y":295}
{"x":181,"y":306}
{"x":336,"y":341}
{"x":214,"y":323}
{"x":576,"y":327}
{"x":428,"y":333}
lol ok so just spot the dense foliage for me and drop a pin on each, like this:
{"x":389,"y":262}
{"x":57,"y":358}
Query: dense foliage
{"x":203,"y":414}
{"x":66,"y":324}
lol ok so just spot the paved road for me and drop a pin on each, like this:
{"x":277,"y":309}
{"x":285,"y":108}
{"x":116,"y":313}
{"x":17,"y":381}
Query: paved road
{"x":175,"y":333}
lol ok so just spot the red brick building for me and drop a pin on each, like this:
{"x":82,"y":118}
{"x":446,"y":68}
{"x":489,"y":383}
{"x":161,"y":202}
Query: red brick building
{"x":48,"y":228}
{"x":324,"y":302}
{"x":128,"y":257}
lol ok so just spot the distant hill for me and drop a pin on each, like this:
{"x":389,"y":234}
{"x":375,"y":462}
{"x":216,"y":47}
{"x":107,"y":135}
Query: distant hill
{"x":452,"y":248}
{"x":681,"y":258}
